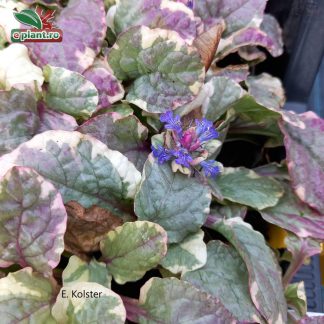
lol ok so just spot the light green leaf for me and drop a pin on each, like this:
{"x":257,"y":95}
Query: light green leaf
{"x":70,"y":92}
{"x":88,"y":302}
{"x":78,"y":270}
{"x":178,"y":203}
{"x":168,"y":73}
{"x":265,"y":282}
{"x":246,"y":187}
{"x":32,"y":221}
{"x":222,"y":93}
{"x":225,"y":276}
{"x":25,"y":297}
{"x":188,"y":255}
{"x":174,"y":301}
{"x":19,"y":120}
{"x":296,"y":297}
{"x":80,"y":167}
{"x":132,"y":249}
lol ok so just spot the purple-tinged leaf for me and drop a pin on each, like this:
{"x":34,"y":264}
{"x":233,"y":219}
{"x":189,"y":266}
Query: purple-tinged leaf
{"x":252,"y":54}
{"x":19,"y":120}
{"x":225,"y":277}
{"x":295,"y":216}
{"x":264,"y":272}
{"x":220,"y":212}
{"x":237,"y":73}
{"x":26,"y":297}
{"x":109,"y":88}
{"x":304,"y":138}
{"x":162,"y":14}
{"x":168,"y":72}
{"x":182,"y":303}
{"x":124,"y":134}
{"x":81,"y":167}
{"x":312,"y":319}
{"x":237,"y":14}
{"x":54,"y":120}
{"x":33,"y":221}
{"x":278,"y":171}
{"x":84,"y":28}
{"x":301,"y":249}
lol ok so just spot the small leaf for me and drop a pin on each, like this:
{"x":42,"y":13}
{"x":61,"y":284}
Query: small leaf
{"x":163,"y":199}
{"x":78,"y":270}
{"x":25,"y":298}
{"x":139,"y":244}
{"x":187,"y":255}
{"x":84,"y":302}
{"x":70,"y":92}
{"x":246,"y":187}
{"x":182,"y":303}
{"x":32,"y":221}
{"x":168,"y":73}
{"x":29,"y":17}
{"x":296,"y":297}
{"x":225,"y":276}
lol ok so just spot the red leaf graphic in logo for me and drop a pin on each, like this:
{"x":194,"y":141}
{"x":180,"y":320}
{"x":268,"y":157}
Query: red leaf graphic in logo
{"x":47,"y":16}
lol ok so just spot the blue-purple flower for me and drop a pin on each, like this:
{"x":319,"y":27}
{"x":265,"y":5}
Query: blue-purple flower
{"x":210,"y":168}
{"x":185,"y":147}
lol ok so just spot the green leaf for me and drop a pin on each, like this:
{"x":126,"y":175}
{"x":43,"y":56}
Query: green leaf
{"x":70,"y":92}
{"x":222,"y":93}
{"x":168,"y":73}
{"x":19,"y":120}
{"x":163,"y":199}
{"x":246,"y":187}
{"x":225,"y":276}
{"x":296,"y":297}
{"x":265,"y":283}
{"x":32,"y":221}
{"x":88,"y":302}
{"x":80,"y":167}
{"x":25,"y":298}
{"x":188,"y":255}
{"x":78,"y":270}
{"x":170,"y":300}
{"x":29,"y":17}
{"x":132,"y":249}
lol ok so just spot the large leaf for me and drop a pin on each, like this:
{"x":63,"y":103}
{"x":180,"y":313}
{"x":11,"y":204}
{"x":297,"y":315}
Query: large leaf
{"x":236,"y":13}
{"x":293,"y":215}
{"x":78,"y":270}
{"x":18,"y":118}
{"x":16,"y":68}
{"x":54,"y":120}
{"x":225,"y":276}
{"x":246,"y":187}
{"x":174,"y":301}
{"x":70,"y":92}
{"x":32,"y":219}
{"x":139,"y":244}
{"x":162,"y":14}
{"x":221,"y":92}
{"x":304,"y":137}
{"x":25,"y":298}
{"x":168,"y":73}
{"x":80,"y":45}
{"x":109,"y":88}
{"x":190,"y":254}
{"x":163,"y":198}
{"x":80,"y":166}
{"x":85,"y":302}
{"x":265,"y":283}
{"x":125,"y":134}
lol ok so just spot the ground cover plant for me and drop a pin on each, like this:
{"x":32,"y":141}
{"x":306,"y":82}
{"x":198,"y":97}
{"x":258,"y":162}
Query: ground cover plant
{"x":147,"y":177}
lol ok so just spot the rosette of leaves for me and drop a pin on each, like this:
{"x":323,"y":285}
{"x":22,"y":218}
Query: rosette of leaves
{"x":135,"y":167}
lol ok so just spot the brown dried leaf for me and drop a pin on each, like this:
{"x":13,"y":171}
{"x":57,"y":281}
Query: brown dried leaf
{"x":207,"y":43}
{"x":86,"y":227}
